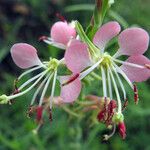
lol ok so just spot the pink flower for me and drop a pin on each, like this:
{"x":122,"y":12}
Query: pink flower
{"x":60,"y":35}
{"x":71,"y":85}
{"x":133,"y":42}
{"x":25,"y":56}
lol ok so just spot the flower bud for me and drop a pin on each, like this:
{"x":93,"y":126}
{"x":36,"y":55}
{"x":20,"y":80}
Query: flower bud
{"x":122,"y":130}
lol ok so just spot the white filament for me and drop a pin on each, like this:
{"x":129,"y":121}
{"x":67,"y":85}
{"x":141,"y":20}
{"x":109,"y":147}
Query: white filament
{"x":53,"y":89}
{"x":109,"y":84}
{"x":124,"y":76}
{"x":86,"y":72}
{"x":28,"y":71}
{"x":30,"y":80}
{"x":116,"y":91}
{"x":28,"y":89}
{"x":45,"y":89}
{"x":104,"y":82}
{"x":120,"y":82}
{"x":38,"y":90}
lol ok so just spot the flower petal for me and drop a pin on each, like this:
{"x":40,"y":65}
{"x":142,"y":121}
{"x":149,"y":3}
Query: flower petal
{"x":71,"y":91}
{"x":77,"y":56}
{"x":137,"y":74}
{"x":106,"y":33}
{"x":61,"y":32}
{"x":133,"y":41}
{"x":24,"y":55}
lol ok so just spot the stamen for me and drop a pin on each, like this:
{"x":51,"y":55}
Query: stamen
{"x":27,"y":90}
{"x":123,"y":75}
{"x":136,"y":96}
{"x":45,"y":89}
{"x":86,"y":72}
{"x":125,"y":105}
{"x":116,"y":91}
{"x":129,"y":64}
{"x":104,"y":82}
{"x":53,"y":89}
{"x":39,"y":113}
{"x":120,"y":82}
{"x":30,"y":111}
{"x":29,"y":81}
{"x":53,"y":43}
{"x":38,"y":90}
{"x":29,"y":71}
{"x":71,"y":79}
{"x":109,"y":84}
{"x":50,"y":115}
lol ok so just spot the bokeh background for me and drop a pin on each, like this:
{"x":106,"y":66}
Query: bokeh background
{"x":26,"y":21}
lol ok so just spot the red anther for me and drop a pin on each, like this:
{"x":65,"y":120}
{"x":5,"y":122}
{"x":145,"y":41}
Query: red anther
{"x":50,"y":115}
{"x":30,"y":111}
{"x":71,"y":79}
{"x":136,"y":96}
{"x":42,"y":38}
{"x":59,"y":16}
{"x":100,"y":116}
{"x":39,"y":113}
{"x":16,"y":91}
{"x":125,"y":105}
{"x":122,"y":130}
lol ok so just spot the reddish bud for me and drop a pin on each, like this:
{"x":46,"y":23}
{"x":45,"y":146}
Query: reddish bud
{"x":122,"y":130}
{"x":39,"y":113}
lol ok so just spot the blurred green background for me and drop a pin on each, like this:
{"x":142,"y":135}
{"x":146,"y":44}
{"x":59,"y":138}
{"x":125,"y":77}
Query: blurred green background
{"x":25,"y":21}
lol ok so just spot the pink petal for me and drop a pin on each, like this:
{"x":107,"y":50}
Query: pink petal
{"x":77,"y":56}
{"x":61,"y":32}
{"x":71,"y":91}
{"x":24,"y":55}
{"x":133,"y":41}
{"x":106,"y":33}
{"x":137,"y":74}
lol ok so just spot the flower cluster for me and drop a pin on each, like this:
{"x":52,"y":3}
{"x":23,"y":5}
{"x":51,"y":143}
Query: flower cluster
{"x":83,"y":57}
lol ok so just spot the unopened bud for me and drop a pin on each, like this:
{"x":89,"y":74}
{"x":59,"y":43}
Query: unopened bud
{"x":122,"y":130}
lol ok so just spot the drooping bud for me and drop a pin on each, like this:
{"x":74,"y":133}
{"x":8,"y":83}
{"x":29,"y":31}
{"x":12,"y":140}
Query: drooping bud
{"x":39,"y":113}
{"x":136,"y":96}
{"x":122,"y":130}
